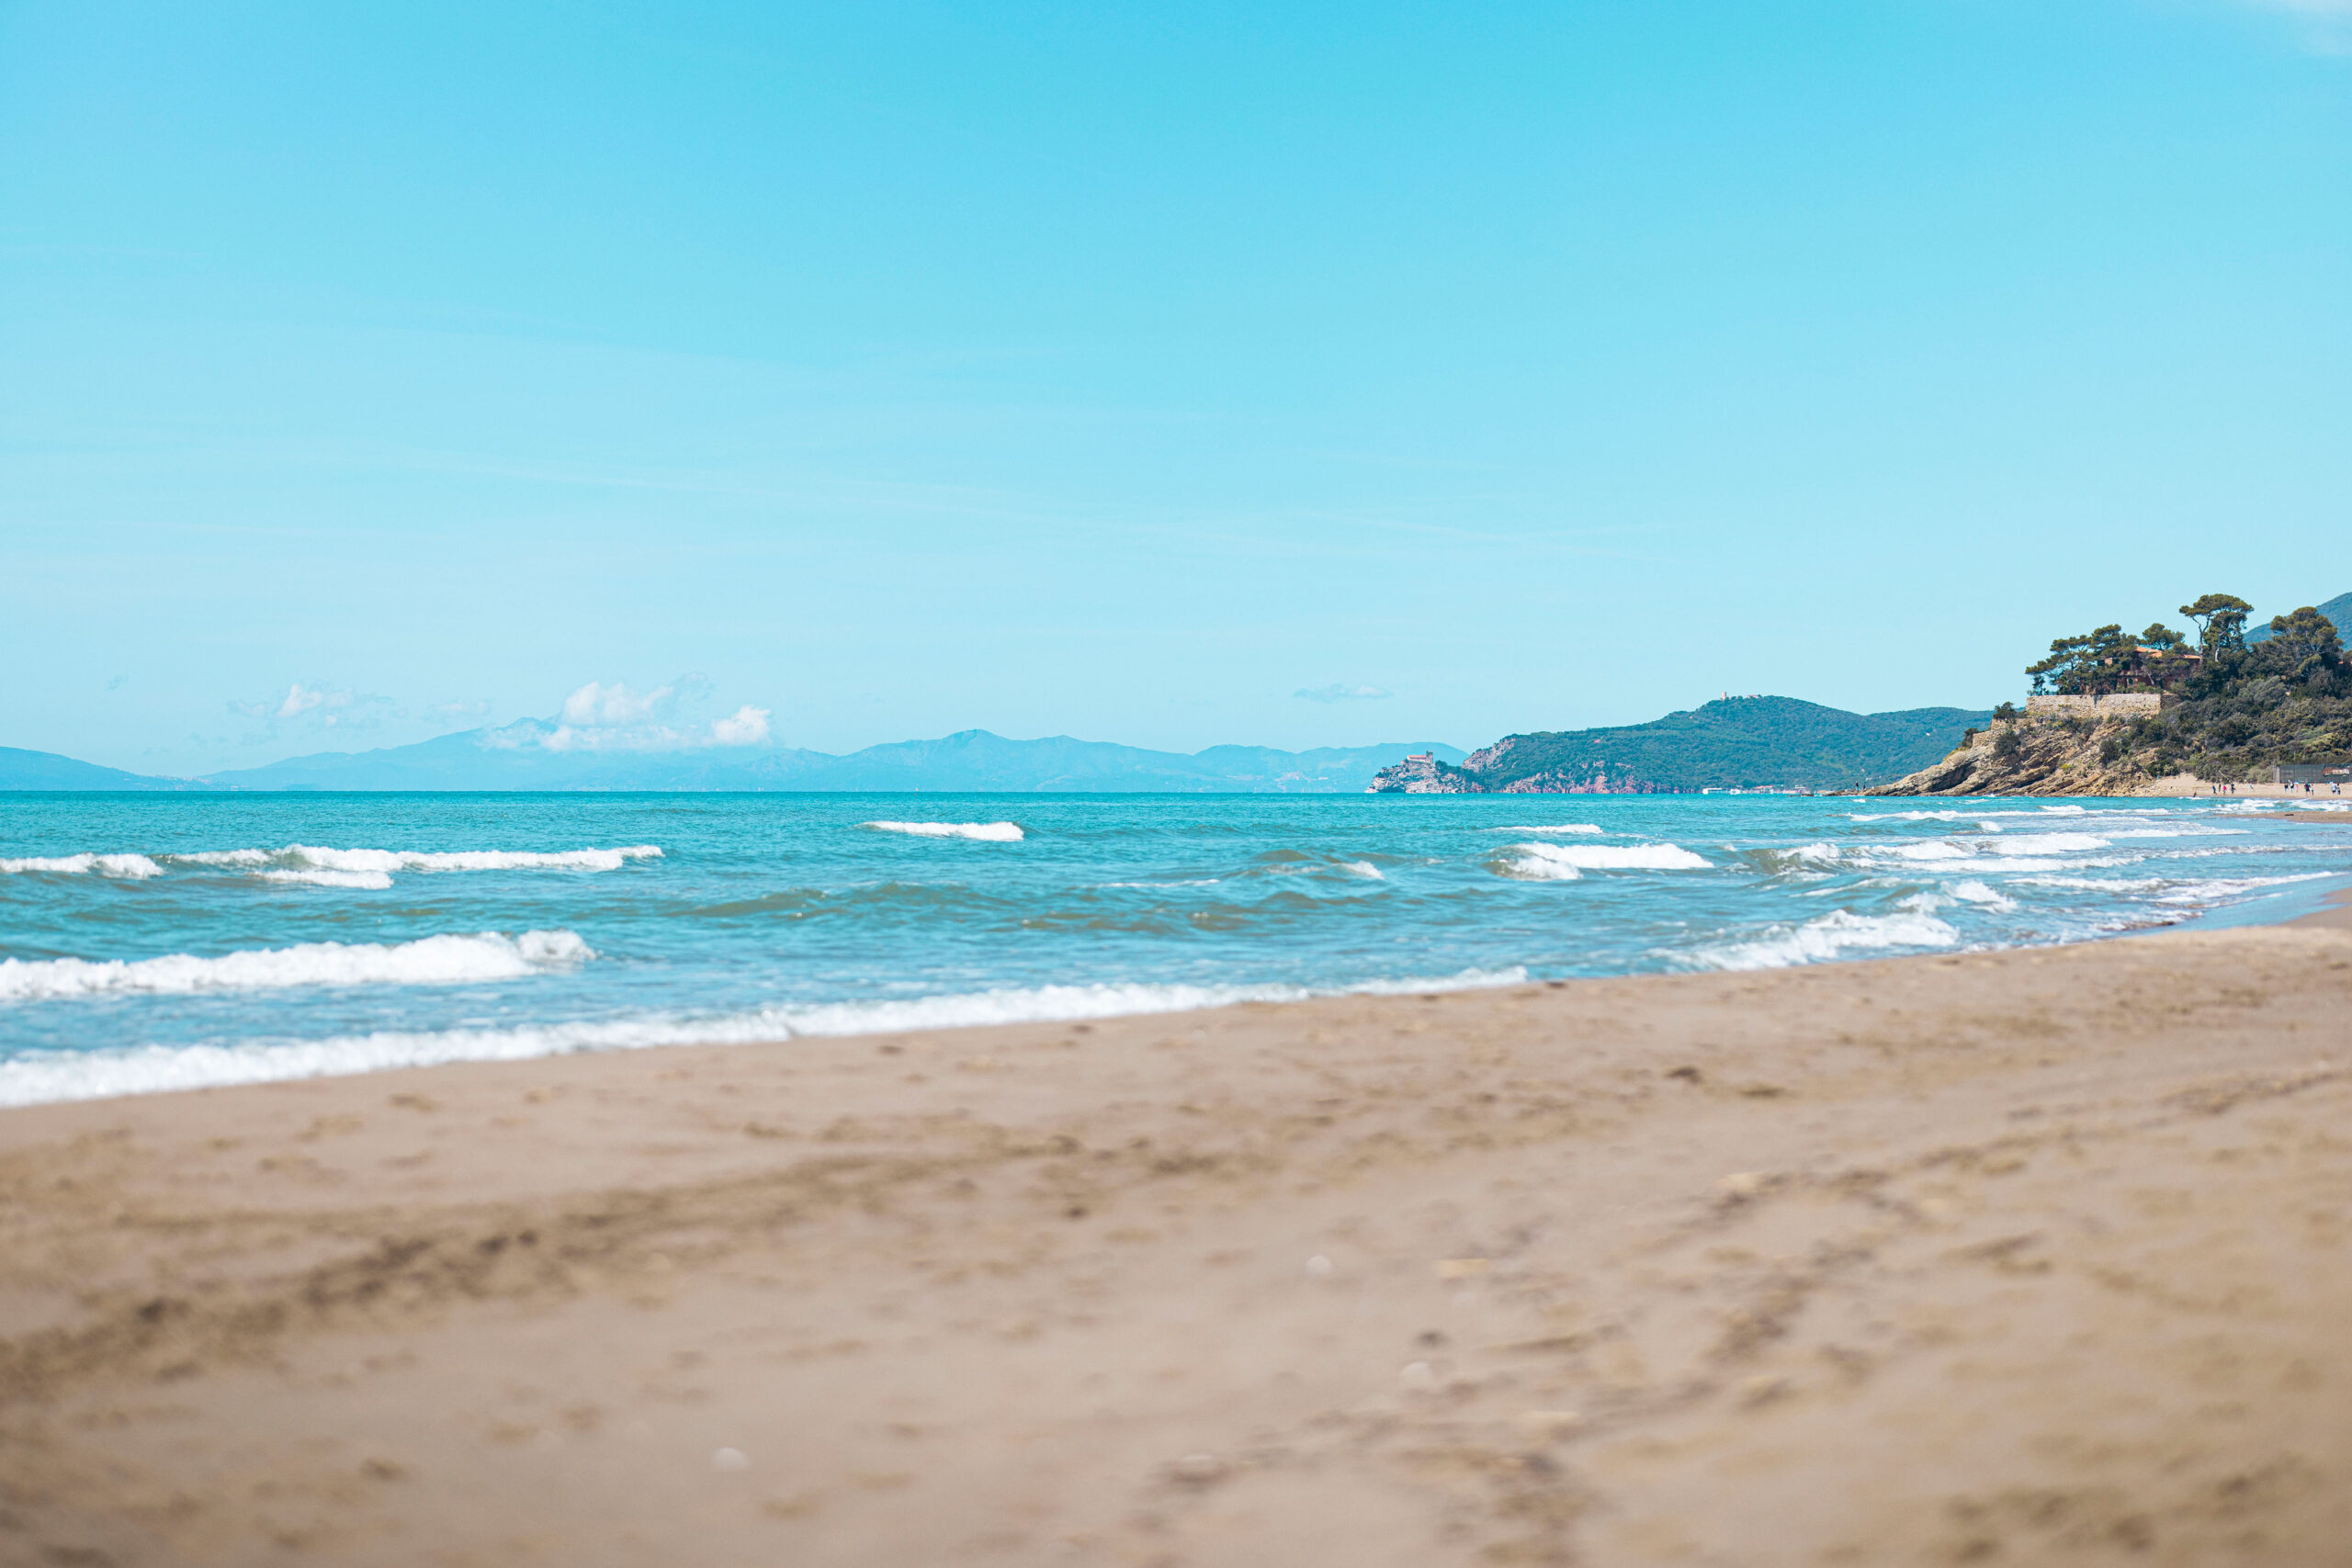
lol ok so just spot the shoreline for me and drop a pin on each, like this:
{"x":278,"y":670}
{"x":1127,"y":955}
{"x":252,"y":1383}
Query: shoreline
{"x":1941,"y":1254}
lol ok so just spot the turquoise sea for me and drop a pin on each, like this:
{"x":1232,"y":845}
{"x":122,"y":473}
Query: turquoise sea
{"x":171,"y":940}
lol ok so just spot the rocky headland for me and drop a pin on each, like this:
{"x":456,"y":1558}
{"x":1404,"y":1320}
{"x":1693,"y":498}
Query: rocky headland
{"x":2030,"y":755}
{"x":1732,"y":743}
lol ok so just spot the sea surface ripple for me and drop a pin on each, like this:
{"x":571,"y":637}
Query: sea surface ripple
{"x":160,"y":941}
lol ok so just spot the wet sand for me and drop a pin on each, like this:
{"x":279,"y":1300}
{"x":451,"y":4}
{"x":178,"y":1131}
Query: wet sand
{"x":2021,"y":1258}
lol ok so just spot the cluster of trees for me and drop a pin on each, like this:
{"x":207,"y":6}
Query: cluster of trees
{"x":2108,"y":658}
{"x":2244,"y":705}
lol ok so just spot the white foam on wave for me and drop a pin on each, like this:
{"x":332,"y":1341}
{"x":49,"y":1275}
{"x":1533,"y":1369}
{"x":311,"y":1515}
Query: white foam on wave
{"x":383,"y":863}
{"x":319,"y":866}
{"x":240,"y":858}
{"x":2216,"y":888}
{"x":2286,"y":803}
{"x":42,"y":1076}
{"x":2173,"y":832}
{"x":131,"y":866}
{"x":1933,"y":855}
{"x":374,"y":880}
{"x":445,"y":960}
{"x":1925,"y":849}
{"x":1994,"y":862}
{"x":1554,"y":827}
{"x":986,"y":832}
{"x":1364,"y":868}
{"x":1567,"y":862}
{"x":2006,"y":848}
{"x":2048,"y":843}
{"x":1975,"y":892}
{"x":1833,"y":935}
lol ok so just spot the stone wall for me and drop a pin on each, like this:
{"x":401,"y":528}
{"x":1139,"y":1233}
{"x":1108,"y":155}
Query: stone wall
{"x":2118,"y":704}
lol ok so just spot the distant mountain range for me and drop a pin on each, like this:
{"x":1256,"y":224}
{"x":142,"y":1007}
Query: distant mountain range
{"x":1740,"y":741}
{"x":1734,"y":743}
{"x":47,"y":770}
{"x":518,"y":757}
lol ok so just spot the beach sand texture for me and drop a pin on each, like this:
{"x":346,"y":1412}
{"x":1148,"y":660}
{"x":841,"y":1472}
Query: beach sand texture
{"x":2029,"y":1257}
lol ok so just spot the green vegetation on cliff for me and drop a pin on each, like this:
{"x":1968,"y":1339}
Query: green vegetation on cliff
{"x":2281,"y":693}
{"x":2286,"y":698}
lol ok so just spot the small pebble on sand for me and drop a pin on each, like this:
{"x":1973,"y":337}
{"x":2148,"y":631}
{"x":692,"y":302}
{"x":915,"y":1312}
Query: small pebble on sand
{"x":729,"y":1459}
{"x":1318,"y":1266}
{"x":1198,"y":1470}
{"x":1549,"y":1423}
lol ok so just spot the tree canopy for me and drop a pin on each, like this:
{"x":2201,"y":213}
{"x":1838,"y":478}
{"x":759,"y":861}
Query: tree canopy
{"x":2305,"y":637}
{"x":2285,"y":696}
{"x":2221,"y":621}
{"x":2089,"y":665}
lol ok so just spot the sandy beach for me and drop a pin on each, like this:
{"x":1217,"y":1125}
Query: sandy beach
{"x":2025,"y":1256}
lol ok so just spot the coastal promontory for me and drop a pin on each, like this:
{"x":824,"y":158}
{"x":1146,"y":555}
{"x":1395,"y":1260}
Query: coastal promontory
{"x":2118,"y":714}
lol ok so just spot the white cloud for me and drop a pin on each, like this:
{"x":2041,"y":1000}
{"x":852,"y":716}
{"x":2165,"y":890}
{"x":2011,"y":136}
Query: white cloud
{"x":1341,"y":691}
{"x":617,"y":704}
{"x":747,"y":726}
{"x":302,"y":699}
{"x":318,"y":708}
{"x":599,"y":718}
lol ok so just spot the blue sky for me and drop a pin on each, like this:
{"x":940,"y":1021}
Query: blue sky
{"x":1173,"y":375}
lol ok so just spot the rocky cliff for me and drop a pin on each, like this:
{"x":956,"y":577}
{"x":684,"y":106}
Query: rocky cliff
{"x":1424,"y":775}
{"x":2035,"y":756}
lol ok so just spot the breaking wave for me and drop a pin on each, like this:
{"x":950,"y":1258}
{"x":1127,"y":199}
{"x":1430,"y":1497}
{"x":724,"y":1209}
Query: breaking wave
{"x":374,"y":880}
{"x":1834,"y":935}
{"x":316,"y":866}
{"x":1979,"y":894}
{"x":383,"y":863}
{"x":2048,"y":843}
{"x":445,"y":960}
{"x":42,"y":1077}
{"x":986,"y":832}
{"x":85,"y":864}
{"x":2216,"y":888}
{"x":1566,"y":863}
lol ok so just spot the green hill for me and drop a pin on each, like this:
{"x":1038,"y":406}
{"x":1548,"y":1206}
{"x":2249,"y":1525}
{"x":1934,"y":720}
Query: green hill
{"x":1734,"y":743}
